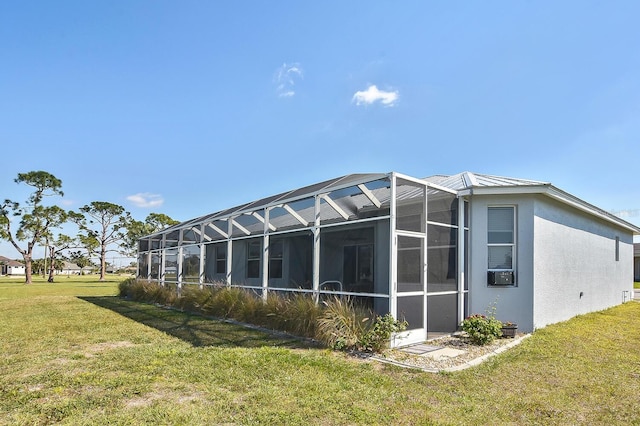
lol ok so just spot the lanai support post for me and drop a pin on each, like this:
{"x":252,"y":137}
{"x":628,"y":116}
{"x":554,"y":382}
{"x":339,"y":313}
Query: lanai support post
{"x":393,"y":249}
{"x":179,"y":266}
{"x":149,"y":257}
{"x":203,"y":252}
{"x":316,"y":249}
{"x":229,"y":250}
{"x":162,"y":259}
{"x":265,"y":256}
{"x":461,"y":259}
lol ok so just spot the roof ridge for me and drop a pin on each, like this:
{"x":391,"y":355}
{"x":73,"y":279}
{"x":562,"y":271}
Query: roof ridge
{"x":510,"y":178}
{"x":469,"y":179}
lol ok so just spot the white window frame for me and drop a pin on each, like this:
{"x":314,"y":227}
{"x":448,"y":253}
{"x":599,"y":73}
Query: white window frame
{"x":276,"y":258}
{"x":257,"y":259}
{"x":220,"y":259}
{"x":513,"y":245}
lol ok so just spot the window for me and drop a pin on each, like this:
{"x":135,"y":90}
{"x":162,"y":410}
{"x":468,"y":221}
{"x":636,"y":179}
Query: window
{"x":275,"y":259}
{"x":253,"y":259}
{"x":501,"y":245}
{"x":171,"y":265}
{"x":358,"y":268}
{"x":617,"y":249}
{"x":191,"y":263}
{"x":221,"y":259}
{"x":156,"y":260}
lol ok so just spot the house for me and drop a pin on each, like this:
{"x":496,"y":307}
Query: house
{"x":428,"y":250}
{"x":73,"y":269}
{"x":11,"y":267}
{"x":636,"y":262}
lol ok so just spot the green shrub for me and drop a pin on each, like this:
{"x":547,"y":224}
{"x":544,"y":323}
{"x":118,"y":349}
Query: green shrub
{"x":377,"y":338}
{"x":482,"y":329}
{"x":124,"y":287}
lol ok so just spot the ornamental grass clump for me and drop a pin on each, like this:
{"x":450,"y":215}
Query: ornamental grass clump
{"x":301,"y":313}
{"x":340,"y":323}
{"x":141,"y":290}
{"x":345,"y":325}
{"x":482,"y":329}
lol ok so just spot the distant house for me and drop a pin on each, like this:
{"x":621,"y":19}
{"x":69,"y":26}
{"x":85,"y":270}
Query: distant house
{"x":11,"y":267}
{"x":428,"y":250}
{"x":73,"y":269}
{"x":636,"y":262}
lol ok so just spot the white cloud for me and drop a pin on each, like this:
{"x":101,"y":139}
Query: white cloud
{"x":146,"y":200}
{"x":373,"y":94}
{"x":286,"y":78}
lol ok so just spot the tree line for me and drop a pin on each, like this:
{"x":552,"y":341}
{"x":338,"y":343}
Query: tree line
{"x":103,"y":227}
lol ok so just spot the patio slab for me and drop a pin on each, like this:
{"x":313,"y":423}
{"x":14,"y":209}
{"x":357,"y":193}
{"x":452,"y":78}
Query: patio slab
{"x":420,"y":349}
{"x":442,"y":353}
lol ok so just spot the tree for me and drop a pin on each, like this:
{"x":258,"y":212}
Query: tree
{"x":103,"y":223}
{"x":89,"y":242}
{"x":79,"y":259}
{"x":37,"y":266}
{"x":36,"y":220}
{"x":63,"y":242}
{"x":136,"y":229}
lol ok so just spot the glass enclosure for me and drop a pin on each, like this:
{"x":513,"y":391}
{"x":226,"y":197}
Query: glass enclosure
{"x":388,"y":241}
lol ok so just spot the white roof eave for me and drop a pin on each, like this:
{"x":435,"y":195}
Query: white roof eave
{"x":579,"y":204}
{"x":555,"y":193}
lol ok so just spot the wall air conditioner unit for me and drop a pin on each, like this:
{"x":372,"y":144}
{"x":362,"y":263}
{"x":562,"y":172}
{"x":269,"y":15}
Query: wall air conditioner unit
{"x":500,"y":278}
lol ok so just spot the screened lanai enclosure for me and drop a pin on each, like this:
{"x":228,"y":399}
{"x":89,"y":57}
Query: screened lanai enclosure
{"x":389,"y":241}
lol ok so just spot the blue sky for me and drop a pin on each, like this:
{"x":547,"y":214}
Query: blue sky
{"x":190,"y":107}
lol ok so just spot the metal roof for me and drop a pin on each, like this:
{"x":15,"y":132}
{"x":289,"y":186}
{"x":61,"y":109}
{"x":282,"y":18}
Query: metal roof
{"x":465,"y":183}
{"x":466,"y":180}
{"x":468,"y":183}
{"x":287,"y":197}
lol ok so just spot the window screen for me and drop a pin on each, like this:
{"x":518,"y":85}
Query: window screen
{"x":501,"y":245}
{"x":253,"y":259}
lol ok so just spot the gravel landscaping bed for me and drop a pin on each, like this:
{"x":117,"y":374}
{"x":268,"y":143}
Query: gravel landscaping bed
{"x":439,"y":360}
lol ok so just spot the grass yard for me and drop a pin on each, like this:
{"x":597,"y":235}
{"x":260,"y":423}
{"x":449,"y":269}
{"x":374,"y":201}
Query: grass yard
{"x":73,"y":353}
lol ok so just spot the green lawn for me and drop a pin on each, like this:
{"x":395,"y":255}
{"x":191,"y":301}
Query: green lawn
{"x":73,"y":353}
